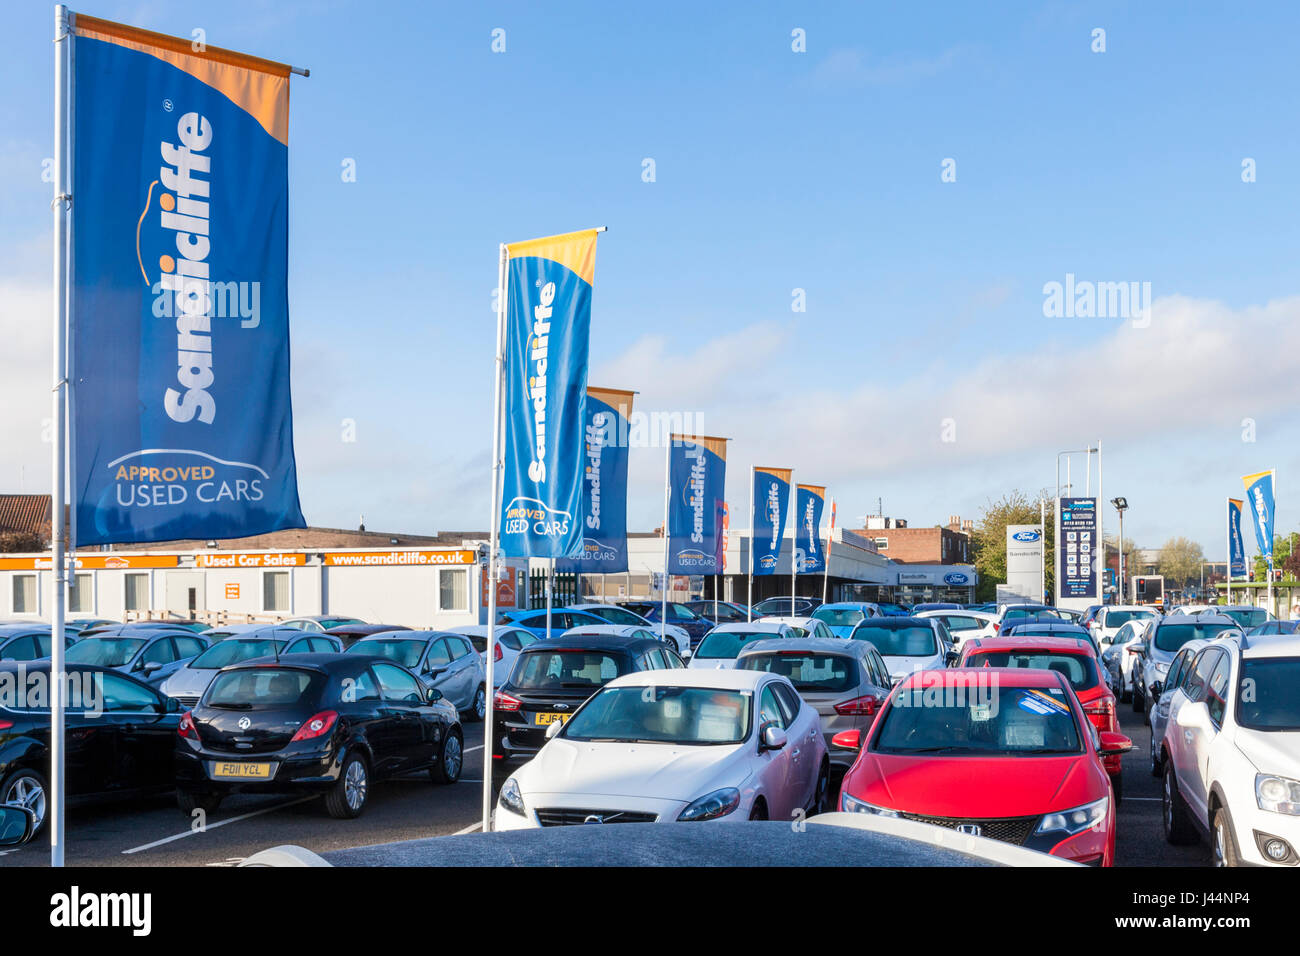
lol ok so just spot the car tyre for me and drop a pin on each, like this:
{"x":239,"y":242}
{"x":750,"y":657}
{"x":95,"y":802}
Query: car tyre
{"x":1157,"y":767}
{"x":1117,"y":784}
{"x":347,"y":798}
{"x":27,"y":788}
{"x":1225,"y":843}
{"x":1139,"y":700}
{"x":451,"y":758}
{"x":820,"y":793}
{"x":190,"y":801}
{"x":1178,"y":827}
{"x":759,"y":810}
{"x":478,"y":709}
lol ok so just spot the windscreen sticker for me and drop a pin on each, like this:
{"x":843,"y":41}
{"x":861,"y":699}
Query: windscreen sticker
{"x":1037,"y":702}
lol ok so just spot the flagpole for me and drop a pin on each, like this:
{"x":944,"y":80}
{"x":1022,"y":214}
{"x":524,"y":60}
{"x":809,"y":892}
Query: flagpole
{"x":1270,"y":544}
{"x":1227,"y":537}
{"x":495,"y":519}
{"x":663,"y":591}
{"x":830,"y":539}
{"x":62,"y":207}
{"x":749,"y":604}
{"x":793,"y":517}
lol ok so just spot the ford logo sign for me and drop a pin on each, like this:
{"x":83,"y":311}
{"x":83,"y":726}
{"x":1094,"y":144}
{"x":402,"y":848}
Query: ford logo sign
{"x":1026,"y":535}
{"x":954,"y":578}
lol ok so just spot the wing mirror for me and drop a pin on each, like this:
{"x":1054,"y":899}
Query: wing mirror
{"x":951,"y":658}
{"x":1113,"y":743}
{"x":150,"y":668}
{"x":17,"y":825}
{"x":848,"y":740}
{"x":554,"y":729}
{"x":433,"y":695}
{"x":1157,"y":688}
{"x":772,"y":737}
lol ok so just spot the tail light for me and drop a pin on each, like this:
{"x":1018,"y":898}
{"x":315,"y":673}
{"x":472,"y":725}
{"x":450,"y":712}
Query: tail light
{"x":186,"y":726}
{"x":503,"y":701}
{"x":496,"y":652}
{"x":1101,"y":708}
{"x":996,"y":627}
{"x":858,"y":707}
{"x":317,"y":726}
{"x":6,"y":724}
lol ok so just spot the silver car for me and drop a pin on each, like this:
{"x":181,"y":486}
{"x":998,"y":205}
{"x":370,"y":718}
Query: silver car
{"x":509,"y":642}
{"x":188,"y":683}
{"x":846,"y":682}
{"x":1163,"y":640}
{"x":440,"y":659}
{"x":1161,"y":694}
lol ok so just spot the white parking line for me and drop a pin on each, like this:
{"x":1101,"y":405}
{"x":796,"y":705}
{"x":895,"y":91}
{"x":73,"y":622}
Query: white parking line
{"x":219,"y":823}
{"x":470,"y":750}
{"x":469,"y":829}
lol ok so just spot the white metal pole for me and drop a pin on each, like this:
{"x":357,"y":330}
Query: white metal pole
{"x":663,"y":591}
{"x":749,"y":603}
{"x":1101,"y":531}
{"x":1042,"y":549}
{"x":1227,"y":540}
{"x":1120,"y":589}
{"x":550,"y":589}
{"x":793,"y":513}
{"x":62,"y":206}
{"x":494,"y":495}
{"x":830,"y":534}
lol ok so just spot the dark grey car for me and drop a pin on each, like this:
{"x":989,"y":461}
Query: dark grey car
{"x":440,"y":659}
{"x":150,"y":655}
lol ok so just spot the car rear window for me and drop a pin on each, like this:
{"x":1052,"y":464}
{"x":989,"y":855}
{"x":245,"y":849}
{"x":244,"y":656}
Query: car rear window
{"x":1170,"y":637}
{"x":104,"y":651}
{"x":726,"y":645}
{"x":265,"y":688}
{"x":567,"y":669}
{"x":404,"y":651}
{"x":899,"y":641}
{"x":1078,"y":669}
{"x":233,"y":652}
{"x":839,"y":616}
{"x":808,"y":671}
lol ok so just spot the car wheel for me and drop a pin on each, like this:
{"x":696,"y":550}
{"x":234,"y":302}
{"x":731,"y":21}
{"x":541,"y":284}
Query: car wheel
{"x":450,"y":760}
{"x":478,"y":710}
{"x":189,"y":802}
{"x":26,"y":788}
{"x":1156,"y":766}
{"x":1117,"y":784}
{"x":819,"y":795}
{"x":759,"y":812}
{"x":1139,"y":700}
{"x":1225,"y":846}
{"x":347,"y":798}
{"x":1173,"y":815}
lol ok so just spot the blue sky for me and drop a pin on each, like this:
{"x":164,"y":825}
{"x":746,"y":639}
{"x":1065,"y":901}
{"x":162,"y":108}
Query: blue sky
{"x":775,"y":170}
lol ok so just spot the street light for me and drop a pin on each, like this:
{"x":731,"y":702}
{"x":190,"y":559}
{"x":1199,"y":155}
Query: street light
{"x":1121,"y":505}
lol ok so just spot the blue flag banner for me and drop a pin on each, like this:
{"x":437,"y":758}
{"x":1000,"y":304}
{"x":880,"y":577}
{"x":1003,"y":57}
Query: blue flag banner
{"x":1236,"y":546}
{"x":809,"y":553}
{"x":771,"y":501}
{"x":1259,"y":494}
{"x":604,"y":485}
{"x":181,"y":418}
{"x":697,"y":481}
{"x":548,"y":316}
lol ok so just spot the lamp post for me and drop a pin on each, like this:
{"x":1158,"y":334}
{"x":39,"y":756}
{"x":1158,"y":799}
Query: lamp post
{"x":1121,"y":505}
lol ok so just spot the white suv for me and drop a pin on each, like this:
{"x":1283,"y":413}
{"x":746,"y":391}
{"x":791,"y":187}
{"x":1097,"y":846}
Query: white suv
{"x":1231,"y":752}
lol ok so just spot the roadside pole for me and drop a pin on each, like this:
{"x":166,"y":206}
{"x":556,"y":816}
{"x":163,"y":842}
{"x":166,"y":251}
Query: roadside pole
{"x":830,"y":537}
{"x":550,"y":591}
{"x":749,"y":604}
{"x":1101,"y":531}
{"x":663,"y":609}
{"x":1227,"y":540}
{"x":794,"y":541}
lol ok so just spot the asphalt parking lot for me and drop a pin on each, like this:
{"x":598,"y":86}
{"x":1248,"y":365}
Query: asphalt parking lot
{"x":155,"y":833}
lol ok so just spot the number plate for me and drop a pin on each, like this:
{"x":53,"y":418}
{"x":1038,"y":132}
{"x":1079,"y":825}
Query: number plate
{"x":242,"y":771}
{"x":543,"y":719}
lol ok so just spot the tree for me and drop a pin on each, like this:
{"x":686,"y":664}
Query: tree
{"x":989,"y":539}
{"x":1180,"y":562}
{"x":21,"y":541}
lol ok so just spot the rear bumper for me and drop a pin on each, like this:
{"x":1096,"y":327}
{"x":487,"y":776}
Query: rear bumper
{"x":311,"y":772}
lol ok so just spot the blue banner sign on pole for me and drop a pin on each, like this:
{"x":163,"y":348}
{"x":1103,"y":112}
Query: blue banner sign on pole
{"x":604,"y":485}
{"x":809,"y":502}
{"x":1236,"y":544}
{"x":1259,"y":493}
{"x":697,"y":481}
{"x":771,"y":501}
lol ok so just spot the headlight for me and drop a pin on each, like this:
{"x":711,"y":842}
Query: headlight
{"x":1161,"y":668}
{"x":511,"y":798}
{"x":1279,"y":794}
{"x":1077,"y":820}
{"x":851,"y":805}
{"x":712,"y":805}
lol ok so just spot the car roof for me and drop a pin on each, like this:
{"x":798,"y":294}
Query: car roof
{"x":324,"y":663}
{"x":366,"y":629}
{"x":592,"y":642}
{"x":409,"y":635}
{"x":1006,"y":677}
{"x":760,"y":624}
{"x":894,"y":622}
{"x":1048,"y":624}
{"x":854,"y":605}
{"x":15,"y":630}
{"x":1065,"y":645}
{"x":820,"y":645}
{"x":720,"y":679}
{"x":624,"y":630}
{"x":1272,"y":645}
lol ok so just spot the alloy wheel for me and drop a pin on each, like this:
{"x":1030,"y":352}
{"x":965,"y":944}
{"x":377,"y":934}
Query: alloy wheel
{"x":480,"y":703}
{"x":28,"y":792}
{"x":354,"y":784}
{"x":451,"y":757}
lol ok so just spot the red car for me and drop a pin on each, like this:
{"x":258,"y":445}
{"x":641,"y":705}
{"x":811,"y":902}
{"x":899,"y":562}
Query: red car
{"x":1076,"y":659}
{"x":1004,"y":753}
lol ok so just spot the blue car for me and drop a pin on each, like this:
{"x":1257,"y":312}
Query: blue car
{"x":150,"y":655}
{"x":562,"y":619}
{"x":27,"y":642}
{"x":843,"y":616}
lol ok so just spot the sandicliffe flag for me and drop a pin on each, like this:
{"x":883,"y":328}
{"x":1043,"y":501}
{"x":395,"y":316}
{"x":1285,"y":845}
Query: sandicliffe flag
{"x":604,"y":485}
{"x":809,"y":502}
{"x":771,"y":501}
{"x":1259,"y":494}
{"x":180,"y":415}
{"x":697,"y":482}
{"x":548,"y":316}
{"x":1236,"y":546}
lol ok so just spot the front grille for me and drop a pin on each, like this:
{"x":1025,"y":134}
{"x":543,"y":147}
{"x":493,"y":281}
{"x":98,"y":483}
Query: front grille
{"x":569,"y":816}
{"x":188,"y":702}
{"x":1014,"y":830}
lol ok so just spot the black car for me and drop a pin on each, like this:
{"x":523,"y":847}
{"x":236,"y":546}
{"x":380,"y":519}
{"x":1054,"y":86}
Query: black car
{"x":323,"y":723}
{"x":27,"y":642}
{"x":120,"y":735}
{"x":780,"y":607}
{"x":551,"y":679}
{"x":720,"y":612}
{"x":694,"y":624}
{"x":349,"y":634}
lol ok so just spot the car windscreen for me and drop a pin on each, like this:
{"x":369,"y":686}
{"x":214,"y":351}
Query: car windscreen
{"x":1032,"y":630}
{"x":1078,"y":669}
{"x":1120,"y":618}
{"x":104,"y":651}
{"x":725,"y":645}
{"x":615,"y":615}
{"x":677,"y":715}
{"x":912,"y":641}
{"x":233,"y":652}
{"x":807,"y":670}
{"x":1170,"y":637}
{"x":1247,"y":616}
{"x":977,"y":721}
{"x":839,"y":616}
{"x":265,"y":688}
{"x":1021,"y":613}
{"x":404,"y":652}
{"x":566,"y":669}
{"x":1273,"y":704}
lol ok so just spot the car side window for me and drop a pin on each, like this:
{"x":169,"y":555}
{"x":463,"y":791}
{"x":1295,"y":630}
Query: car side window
{"x":673,"y":660}
{"x":509,"y":640}
{"x":788,"y":701}
{"x":322,"y":645}
{"x":769,"y":711}
{"x":438,"y":653}
{"x":882,"y":672}
{"x":363,"y":687}
{"x":188,"y":646}
{"x":117,"y":693}
{"x":1200,"y":678}
{"x":455,"y":648}
{"x":1217,"y":690}
{"x":159,"y":652}
{"x":19,"y":649}
{"x":397,"y":685}
{"x":1176,"y":670}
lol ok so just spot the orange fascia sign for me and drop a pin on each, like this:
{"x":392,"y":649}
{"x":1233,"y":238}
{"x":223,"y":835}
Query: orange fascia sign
{"x":373,"y":559}
{"x":97,"y":562}
{"x":261,"y":560}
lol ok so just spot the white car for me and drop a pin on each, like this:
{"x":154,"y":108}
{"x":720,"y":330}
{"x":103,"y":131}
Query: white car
{"x":1111,"y":617}
{"x":675,"y":745}
{"x":1123,"y":647}
{"x":810,"y":626}
{"x":963,"y":624}
{"x":1231,"y":752}
{"x":721,"y":646}
{"x":639,"y":632}
{"x":509,"y":642}
{"x":614,"y":614}
{"x":908,"y":644}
